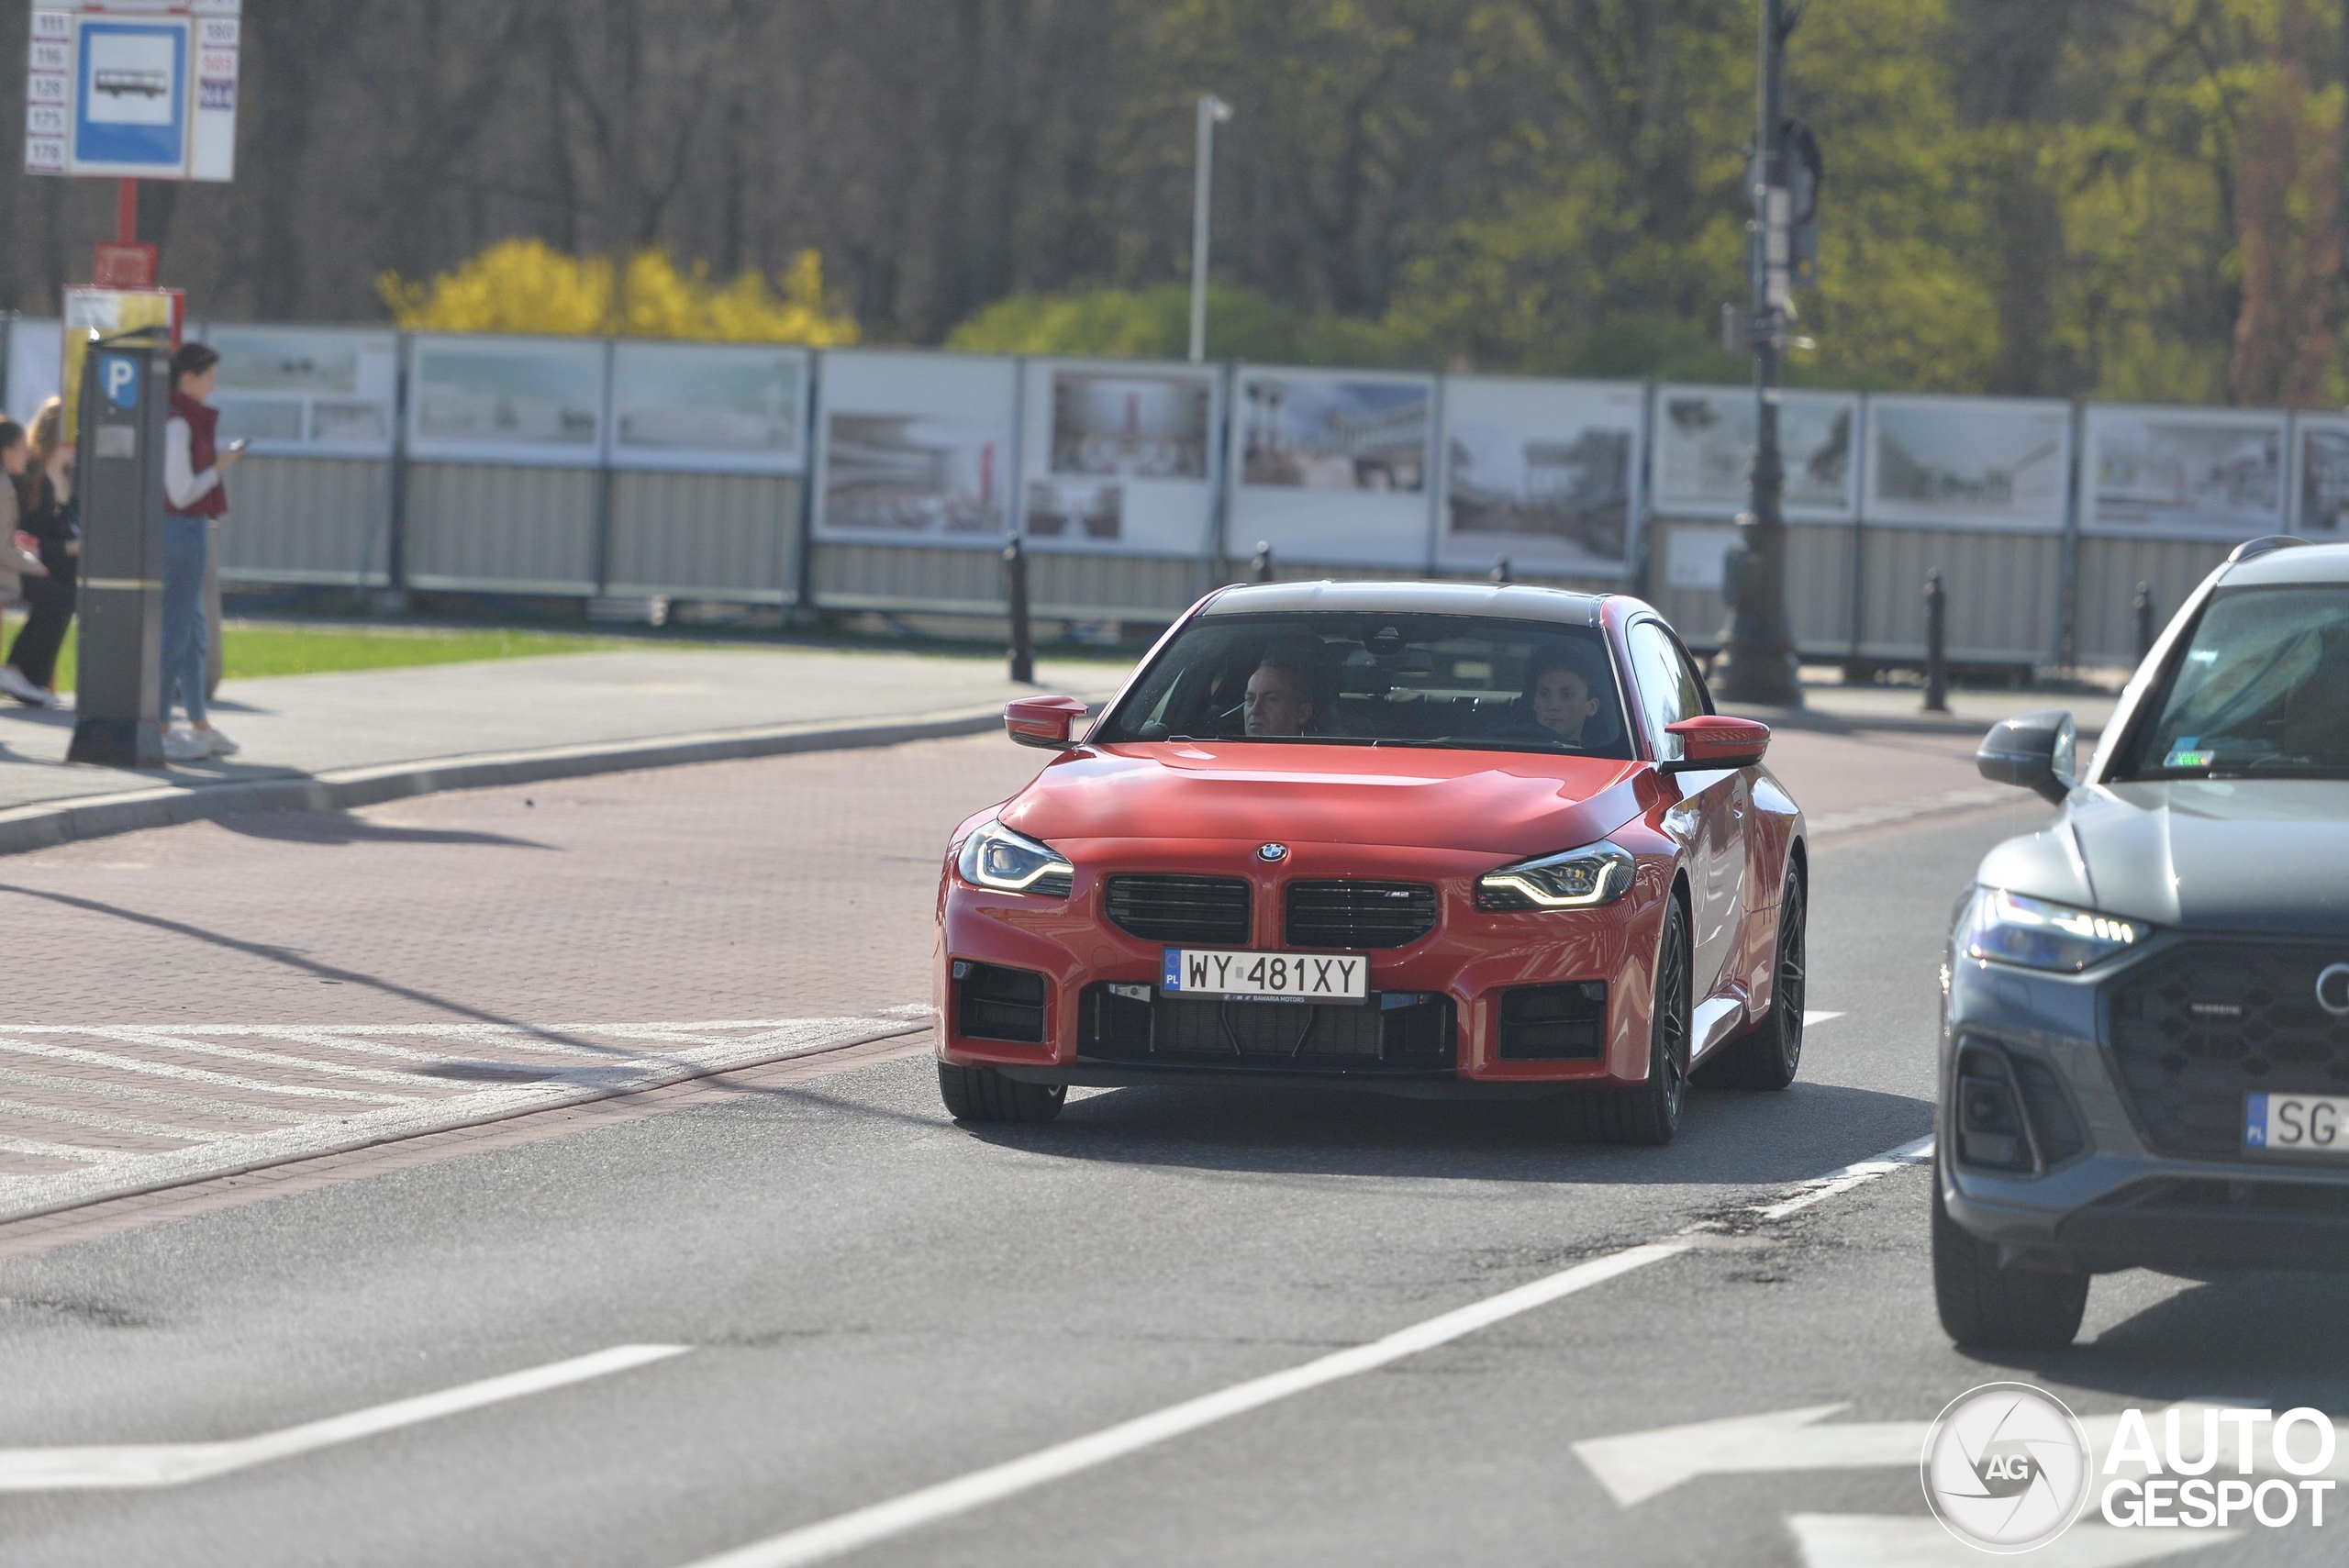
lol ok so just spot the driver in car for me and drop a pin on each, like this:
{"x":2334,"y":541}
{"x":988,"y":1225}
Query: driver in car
{"x":1280,"y":698}
{"x":1558,"y":689}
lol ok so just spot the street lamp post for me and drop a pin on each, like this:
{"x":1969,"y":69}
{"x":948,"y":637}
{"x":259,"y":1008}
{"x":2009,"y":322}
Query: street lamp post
{"x":1758,"y":665}
{"x":1212,"y":111}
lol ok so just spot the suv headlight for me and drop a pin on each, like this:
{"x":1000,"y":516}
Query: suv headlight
{"x":2009,"y":928}
{"x":994,"y":856}
{"x":1578,"y":879}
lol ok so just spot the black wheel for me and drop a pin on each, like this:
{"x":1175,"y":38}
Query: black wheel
{"x":1649,"y":1114}
{"x":982,"y":1094}
{"x":1985,"y":1306}
{"x":1769,"y":1055}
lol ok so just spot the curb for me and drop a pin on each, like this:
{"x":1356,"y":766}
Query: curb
{"x":51,"y":823}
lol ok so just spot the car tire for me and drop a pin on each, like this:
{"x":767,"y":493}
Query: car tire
{"x":982,"y":1094}
{"x":1649,"y":1114}
{"x":1987,"y":1306}
{"x":1769,"y":1055}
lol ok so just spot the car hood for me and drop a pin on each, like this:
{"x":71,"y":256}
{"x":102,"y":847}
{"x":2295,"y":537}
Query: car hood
{"x":1508,"y":804}
{"x":2201,"y":854}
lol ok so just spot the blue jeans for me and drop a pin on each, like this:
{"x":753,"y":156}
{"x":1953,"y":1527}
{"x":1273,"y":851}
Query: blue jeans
{"x":185,"y":637}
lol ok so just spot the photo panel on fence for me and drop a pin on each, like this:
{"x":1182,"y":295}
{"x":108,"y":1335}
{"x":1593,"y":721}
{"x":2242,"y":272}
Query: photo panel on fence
{"x":2320,"y":476}
{"x":2164,"y":473}
{"x":1119,"y":456}
{"x":1332,"y":466}
{"x":537,"y":401}
{"x":914,"y":448}
{"x":306,"y":391}
{"x":36,"y":352}
{"x":1546,"y":472}
{"x":1969,"y":462}
{"x":710,"y":407}
{"x":1702,"y":449}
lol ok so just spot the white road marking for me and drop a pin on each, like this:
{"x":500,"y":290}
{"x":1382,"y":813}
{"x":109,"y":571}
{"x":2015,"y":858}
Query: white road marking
{"x":97,"y":1120}
{"x":863,"y":1527}
{"x":1637,"y":1466}
{"x":1909,"y":810}
{"x":649,"y":1056}
{"x":49,"y":1150}
{"x":185,"y":1075}
{"x":174,"y":1041}
{"x":244,"y":1110}
{"x":1855,"y":1174}
{"x":1868,"y":1540}
{"x":176,"y":1464}
{"x":1812,"y":1020}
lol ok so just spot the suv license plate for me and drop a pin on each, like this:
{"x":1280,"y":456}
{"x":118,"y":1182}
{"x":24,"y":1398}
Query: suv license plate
{"x":1315,"y":977}
{"x":2297,"y":1124}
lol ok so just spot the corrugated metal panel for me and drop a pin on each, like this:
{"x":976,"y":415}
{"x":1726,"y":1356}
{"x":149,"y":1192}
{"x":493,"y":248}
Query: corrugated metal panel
{"x":719,"y":536}
{"x":1818,"y":587}
{"x":894,"y":577}
{"x":492,"y":526}
{"x":2110,"y":570}
{"x":307,"y":519}
{"x":1109,"y":586}
{"x":2002,"y":590}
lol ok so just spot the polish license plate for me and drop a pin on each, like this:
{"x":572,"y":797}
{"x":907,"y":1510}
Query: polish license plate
{"x":2297,"y":1124}
{"x":1315,"y":977}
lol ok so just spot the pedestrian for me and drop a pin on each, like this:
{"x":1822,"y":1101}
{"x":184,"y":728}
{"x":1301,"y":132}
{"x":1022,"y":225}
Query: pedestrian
{"x":15,"y":456}
{"x":193,"y":495}
{"x":48,"y":522}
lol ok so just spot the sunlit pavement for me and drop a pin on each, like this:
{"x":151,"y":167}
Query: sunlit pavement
{"x":792,"y":1313}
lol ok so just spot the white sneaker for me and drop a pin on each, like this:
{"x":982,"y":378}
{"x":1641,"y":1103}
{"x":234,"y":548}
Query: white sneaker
{"x":14,"y":683}
{"x":185,"y":746}
{"x":221,"y":745}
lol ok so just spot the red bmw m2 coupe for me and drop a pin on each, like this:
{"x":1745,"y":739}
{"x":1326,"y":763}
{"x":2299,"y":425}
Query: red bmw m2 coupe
{"x":1432,"y":839}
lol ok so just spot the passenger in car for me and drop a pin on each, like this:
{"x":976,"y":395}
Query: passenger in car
{"x":1559,"y":691}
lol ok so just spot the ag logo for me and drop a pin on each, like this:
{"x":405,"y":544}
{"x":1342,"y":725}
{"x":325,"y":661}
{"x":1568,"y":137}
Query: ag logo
{"x":2006,"y":1467}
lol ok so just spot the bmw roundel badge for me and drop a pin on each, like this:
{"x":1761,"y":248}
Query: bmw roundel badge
{"x":1272,"y":854}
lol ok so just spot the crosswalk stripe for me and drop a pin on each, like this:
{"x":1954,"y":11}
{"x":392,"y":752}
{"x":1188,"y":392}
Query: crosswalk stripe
{"x":190,"y":1074}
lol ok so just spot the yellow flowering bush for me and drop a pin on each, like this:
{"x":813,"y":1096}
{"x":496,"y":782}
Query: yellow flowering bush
{"x":525,"y":286}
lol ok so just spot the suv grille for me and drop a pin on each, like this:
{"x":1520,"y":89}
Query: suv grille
{"x":1205,"y":909}
{"x":1359,"y":915}
{"x":2195,"y":1030}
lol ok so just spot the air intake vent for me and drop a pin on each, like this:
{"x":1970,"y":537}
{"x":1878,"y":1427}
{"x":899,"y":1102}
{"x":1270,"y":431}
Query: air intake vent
{"x":994,"y":1003}
{"x":1205,"y":910}
{"x":1553,"y":1023}
{"x":1359,"y":916}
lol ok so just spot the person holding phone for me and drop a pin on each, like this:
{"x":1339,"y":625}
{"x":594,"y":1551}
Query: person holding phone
{"x":194,"y":466}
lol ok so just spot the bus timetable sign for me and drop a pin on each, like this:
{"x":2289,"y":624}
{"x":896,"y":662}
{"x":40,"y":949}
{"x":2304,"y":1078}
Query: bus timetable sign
{"x":133,"y":89}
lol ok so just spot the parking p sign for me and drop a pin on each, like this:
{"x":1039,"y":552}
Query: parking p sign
{"x":119,"y":373}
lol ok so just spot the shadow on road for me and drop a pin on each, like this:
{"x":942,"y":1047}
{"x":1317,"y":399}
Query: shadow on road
{"x":339,"y":827}
{"x":1724,"y":1136}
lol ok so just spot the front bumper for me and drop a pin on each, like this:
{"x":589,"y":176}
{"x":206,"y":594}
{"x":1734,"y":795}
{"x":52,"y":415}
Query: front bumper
{"x":2107,"y":1196}
{"x":1465,"y":964}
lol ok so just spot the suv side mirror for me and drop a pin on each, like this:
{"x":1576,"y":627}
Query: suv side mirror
{"x":1716,"y":740}
{"x":2034,"y":751}
{"x":1042,"y":722}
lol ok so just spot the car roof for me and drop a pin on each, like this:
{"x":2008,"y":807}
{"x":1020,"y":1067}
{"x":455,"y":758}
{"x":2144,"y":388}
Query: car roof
{"x":2293,"y":564}
{"x":1513,"y":601}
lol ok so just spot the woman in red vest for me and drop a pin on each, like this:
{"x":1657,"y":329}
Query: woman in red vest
{"x":194,"y":496}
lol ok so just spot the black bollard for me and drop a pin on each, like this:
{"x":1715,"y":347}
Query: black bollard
{"x":1023,"y":641}
{"x":1936,"y":644}
{"x":2144,"y":607}
{"x":1263,"y":565}
{"x":1501,"y":578}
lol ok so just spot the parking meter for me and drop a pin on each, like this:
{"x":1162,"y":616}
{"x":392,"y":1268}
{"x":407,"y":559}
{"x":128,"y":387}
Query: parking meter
{"x":118,"y":476}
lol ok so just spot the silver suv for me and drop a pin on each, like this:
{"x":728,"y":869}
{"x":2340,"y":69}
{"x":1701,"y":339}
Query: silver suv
{"x":2145,"y":1008}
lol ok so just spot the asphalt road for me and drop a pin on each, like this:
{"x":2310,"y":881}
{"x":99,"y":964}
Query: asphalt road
{"x":847,"y":1299}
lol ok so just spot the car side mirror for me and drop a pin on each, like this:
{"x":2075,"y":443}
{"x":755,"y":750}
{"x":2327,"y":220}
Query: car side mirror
{"x":2034,"y":751}
{"x":1042,"y":722}
{"x":1716,"y":740}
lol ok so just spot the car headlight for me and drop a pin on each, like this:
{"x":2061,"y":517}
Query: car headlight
{"x":996,"y":857}
{"x":2008,"y":928}
{"x":1578,"y":879}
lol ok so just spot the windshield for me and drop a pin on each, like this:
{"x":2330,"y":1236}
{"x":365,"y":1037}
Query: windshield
{"x":1353,"y":679}
{"x":2263,"y":690}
